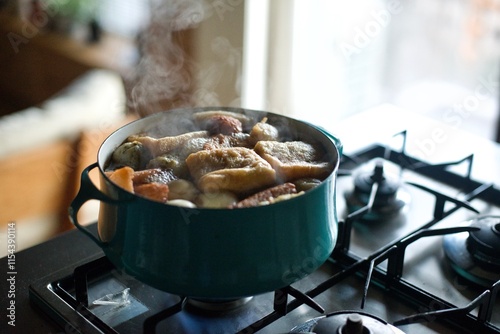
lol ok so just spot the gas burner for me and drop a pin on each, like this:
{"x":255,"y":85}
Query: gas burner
{"x":216,"y":305}
{"x":476,"y":255}
{"x":347,"y":322}
{"x":389,"y":198}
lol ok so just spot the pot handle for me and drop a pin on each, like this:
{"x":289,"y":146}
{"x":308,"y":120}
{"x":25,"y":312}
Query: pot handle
{"x":88,"y":191}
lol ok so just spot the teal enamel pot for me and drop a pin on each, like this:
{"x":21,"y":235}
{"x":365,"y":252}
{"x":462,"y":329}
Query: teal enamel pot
{"x":213,"y":253}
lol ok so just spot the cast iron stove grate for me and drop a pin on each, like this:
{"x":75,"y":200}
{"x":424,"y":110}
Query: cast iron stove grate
{"x":65,"y":295}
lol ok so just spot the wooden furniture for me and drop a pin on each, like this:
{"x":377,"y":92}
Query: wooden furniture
{"x":38,"y":184}
{"x":36,"y":64}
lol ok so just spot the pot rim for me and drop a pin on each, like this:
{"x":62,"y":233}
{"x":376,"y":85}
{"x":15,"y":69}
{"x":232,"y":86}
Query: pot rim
{"x":325,"y":135}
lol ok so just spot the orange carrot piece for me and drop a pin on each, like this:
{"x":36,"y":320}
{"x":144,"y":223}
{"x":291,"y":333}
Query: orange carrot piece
{"x":123,"y":177}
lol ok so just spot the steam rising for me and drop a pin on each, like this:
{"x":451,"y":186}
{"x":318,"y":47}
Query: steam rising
{"x":162,"y":78}
{"x":186,"y":60}
{"x":228,"y":57}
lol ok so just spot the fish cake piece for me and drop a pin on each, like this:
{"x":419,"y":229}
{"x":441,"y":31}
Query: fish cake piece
{"x":218,"y":200}
{"x":159,"y":146}
{"x":182,"y":189}
{"x":264,"y":131}
{"x":179,"y":148}
{"x":238,"y":169}
{"x":293,"y":160}
{"x":224,"y":141}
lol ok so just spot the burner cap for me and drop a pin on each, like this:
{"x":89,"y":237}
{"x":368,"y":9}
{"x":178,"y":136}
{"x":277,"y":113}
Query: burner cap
{"x":216,"y":305}
{"x":389,"y":199}
{"x":484,"y":244}
{"x":475,"y":255}
{"x":387,"y":188}
{"x":348,"y":322}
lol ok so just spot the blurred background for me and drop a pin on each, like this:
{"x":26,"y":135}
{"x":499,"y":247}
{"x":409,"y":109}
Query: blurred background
{"x":73,"y":71}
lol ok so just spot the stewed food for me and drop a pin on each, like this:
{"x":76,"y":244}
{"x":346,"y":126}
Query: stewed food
{"x":225,"y":162}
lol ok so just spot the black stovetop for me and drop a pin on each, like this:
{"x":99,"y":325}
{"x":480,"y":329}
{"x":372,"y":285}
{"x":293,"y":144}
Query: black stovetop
{"x":411,"y":285}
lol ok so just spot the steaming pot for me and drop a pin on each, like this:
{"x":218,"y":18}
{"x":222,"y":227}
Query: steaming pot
{"x":213,"y":253}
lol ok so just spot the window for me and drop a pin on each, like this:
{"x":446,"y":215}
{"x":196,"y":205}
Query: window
{"x":330,"y":59}
{"x":126,"y":18}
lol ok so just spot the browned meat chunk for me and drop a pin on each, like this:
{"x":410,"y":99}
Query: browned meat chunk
{"x":154,"y":191}
{"x":267,"y":196}
{"x":237,"y":169}
{"x":293,"y":160}
{"x":203,"y":117}
{"x":156,"y":175}
{"x":221,"y":124}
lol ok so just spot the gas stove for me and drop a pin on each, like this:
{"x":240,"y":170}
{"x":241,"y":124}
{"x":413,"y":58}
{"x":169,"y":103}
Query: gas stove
{"x":417,"y":253}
